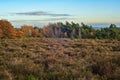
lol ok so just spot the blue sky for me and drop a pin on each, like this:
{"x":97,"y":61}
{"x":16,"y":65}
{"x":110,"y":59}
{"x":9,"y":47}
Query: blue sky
{"x":42,"y":12}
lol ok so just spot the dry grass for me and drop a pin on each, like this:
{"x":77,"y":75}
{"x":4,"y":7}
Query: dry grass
{"x":59,"y":59}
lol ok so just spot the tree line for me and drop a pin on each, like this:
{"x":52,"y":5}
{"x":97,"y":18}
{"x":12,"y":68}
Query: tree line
{"x":59,"y":30}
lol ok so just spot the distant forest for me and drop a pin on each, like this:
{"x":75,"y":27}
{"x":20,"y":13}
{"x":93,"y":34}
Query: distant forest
{"x":59,"y":30}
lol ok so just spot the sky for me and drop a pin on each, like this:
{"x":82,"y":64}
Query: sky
{"x":43,"y":12}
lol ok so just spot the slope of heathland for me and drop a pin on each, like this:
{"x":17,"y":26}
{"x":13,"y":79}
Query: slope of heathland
{"x":59,"y":59}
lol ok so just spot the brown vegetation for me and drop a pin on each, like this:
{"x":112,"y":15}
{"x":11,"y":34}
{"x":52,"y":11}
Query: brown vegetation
{"x":59,"y":59}
{"x":8,"y":31}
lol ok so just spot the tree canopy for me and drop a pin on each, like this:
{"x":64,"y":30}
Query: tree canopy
{"x":59,"y":30}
